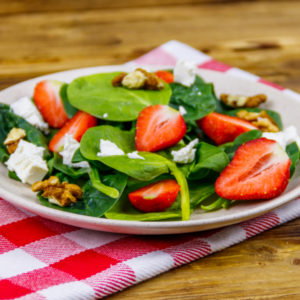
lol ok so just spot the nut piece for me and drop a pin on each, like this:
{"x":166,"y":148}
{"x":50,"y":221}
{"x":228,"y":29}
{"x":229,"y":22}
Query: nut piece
{"x":260,"y":119}
{"x":139,"y":79}
{"x":12,"y":140}
{"x":117,"y":81}
{"x":243,"y":101}
{"x":62,"y":194}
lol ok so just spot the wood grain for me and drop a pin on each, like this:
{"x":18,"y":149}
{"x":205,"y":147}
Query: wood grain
{"x":38,"y":37}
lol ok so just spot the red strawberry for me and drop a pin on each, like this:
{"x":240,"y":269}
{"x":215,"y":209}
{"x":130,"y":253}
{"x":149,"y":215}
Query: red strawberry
{"x":260,"y":169}
{"x":158,"y":127}
{"x":47,"y":99}
{"x":168,"y":77}
{"x":222,"y":128}
{"x":76,"y":127}
{"x":155,"y":197}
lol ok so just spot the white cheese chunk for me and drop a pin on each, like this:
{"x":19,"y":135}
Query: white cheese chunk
{"x":182,"y":110}
{"x":285,"y":137}
{"x":69,"y":148}
{"x":185,"y":73}
{"x":25,"y":108}
{"x":186,"y":154}
{"x":108,"y":148}
{"x":28,"y":163}
{"x":134,"y":155}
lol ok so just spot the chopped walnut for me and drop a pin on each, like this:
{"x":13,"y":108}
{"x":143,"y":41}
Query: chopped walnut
{"x":260,"y":119}
{"x":12,"y":140}
{"x":243,"y":101}
{"x":139,"y":79}
{"x":62,"y":194}
{"x":117,"y":81}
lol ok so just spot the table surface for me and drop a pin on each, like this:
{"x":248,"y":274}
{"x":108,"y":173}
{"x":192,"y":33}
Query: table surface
{"x":39,"y":37}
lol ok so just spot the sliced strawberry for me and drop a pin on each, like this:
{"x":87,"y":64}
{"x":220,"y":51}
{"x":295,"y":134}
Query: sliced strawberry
{"x":47,"y":99}
{"x":222,"y":128}
{"x":155,"y":197}
{"x":168,"y":77}
{"x":76,"y":127}
{"x":260,"y":169}
{"x":158,"y":127}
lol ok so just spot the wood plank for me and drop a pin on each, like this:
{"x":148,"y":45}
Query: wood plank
{"x":81,"y":39}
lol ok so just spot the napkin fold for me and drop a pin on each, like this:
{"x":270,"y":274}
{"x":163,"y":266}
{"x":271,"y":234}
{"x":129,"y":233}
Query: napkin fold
{"x":42,"y":259}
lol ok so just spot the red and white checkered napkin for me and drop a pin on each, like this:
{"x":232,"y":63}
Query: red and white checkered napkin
{"x":41,"y":259}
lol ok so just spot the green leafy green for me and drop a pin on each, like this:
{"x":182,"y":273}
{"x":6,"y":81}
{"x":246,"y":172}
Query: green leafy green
{"x":97,"y":184}
{"x":95,"y":95}
{"x":94,"y":203}
{"x":208,"y":158}
{"x":72,"y":172}
{"x":69,"y":109}
{"x":200,"y":192}
{"x":145,"y":169}
{"x":294,"y":155}
{"x":4,"y":156}
{"x":9,"y":120}
{"x":198,"y":100}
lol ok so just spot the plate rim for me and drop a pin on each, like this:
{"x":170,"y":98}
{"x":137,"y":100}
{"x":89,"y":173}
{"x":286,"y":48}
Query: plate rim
{"x":50,"y":213}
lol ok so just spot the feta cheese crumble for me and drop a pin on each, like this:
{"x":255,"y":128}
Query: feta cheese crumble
{"x":134,"y":155}
{"x":285,"y":137}
{"x":185,"y":73}
{"x":28,"y":163}
{"x":108,"y":148}
{"x":186,"y":154}
{"x":69,"y":148}
{"x":25,"y":108}
{"x":182,"y":110}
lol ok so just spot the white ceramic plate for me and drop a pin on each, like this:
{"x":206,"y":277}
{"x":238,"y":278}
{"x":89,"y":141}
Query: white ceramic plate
{"x":20,"y":195}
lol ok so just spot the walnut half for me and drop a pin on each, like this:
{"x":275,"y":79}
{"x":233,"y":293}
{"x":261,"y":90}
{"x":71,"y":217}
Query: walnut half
{"x":243,"y":101}
{"x":259,"y":119}
{"x":62,"y":194}
{"x":12,"y":140}
{"x":139,"y":79}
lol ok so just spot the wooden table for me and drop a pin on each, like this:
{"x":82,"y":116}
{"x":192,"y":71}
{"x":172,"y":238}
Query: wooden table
{"x":263,"y":37}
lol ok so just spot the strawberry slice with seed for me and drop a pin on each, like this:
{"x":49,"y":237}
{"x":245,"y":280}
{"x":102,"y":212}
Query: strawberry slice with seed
{"x":47,"y":99}
{"x":155,"y":197}
{"x":222,"y":128}
{"x":260,"y":169}
{"x":158,"y":127}
{"x":75,"y":127}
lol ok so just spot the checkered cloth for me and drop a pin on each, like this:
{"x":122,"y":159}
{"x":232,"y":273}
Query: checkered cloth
{"x":42,"y":259}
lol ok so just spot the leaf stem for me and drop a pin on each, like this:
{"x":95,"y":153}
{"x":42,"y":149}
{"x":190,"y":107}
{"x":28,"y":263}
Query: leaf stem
{"x":184,"y":191}
{"x":97,"y":184}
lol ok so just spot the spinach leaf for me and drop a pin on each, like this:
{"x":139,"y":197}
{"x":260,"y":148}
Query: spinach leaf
{"x":200,"y":192}
{"x":72,"y":172}
{"x":78,"y":157}
{"x":294,"y":155}
{"x":9,"y":120}
{"x":273,"y":114}
{"x":217,"y":203}
{"x":69,"y":109}
{"x":98,"y":185}
{"x":95,"y":95}
{"x":4,"y":156}
{"x":208,"y":158}
{"x":94,"y":203}
{"x":13,"y":175}
{"x":198,"y":100}
{"x":145,"y":169}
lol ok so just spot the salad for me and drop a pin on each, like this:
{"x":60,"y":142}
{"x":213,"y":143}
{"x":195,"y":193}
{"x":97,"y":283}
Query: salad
{"x":145,"y":146}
